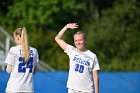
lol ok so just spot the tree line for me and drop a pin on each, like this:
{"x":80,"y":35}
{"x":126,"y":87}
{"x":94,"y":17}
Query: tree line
{"x":112,"y":29}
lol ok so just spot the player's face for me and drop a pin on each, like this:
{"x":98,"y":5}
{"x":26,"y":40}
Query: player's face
{"x":79,"y":41}
{"x":17,"y":39}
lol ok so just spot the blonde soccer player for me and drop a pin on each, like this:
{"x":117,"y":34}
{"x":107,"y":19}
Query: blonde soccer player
{"x":83,"y":63}
{"x":21,"y":64}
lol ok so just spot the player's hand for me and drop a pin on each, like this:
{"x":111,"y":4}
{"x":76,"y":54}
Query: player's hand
{"x":72,"y":25}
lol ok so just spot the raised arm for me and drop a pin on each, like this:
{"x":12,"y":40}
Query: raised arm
{"x":59,"y":36}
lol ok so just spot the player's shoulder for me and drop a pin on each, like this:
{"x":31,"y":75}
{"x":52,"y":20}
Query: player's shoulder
{"x":33,"y":48}
{"x":14,"y":48}
{"x":71,"y":47}
{"x":91,"y":53}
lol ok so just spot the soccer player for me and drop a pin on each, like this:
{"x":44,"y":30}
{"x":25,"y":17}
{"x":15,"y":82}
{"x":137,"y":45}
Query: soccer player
{"x":21,"y":64}
{"x":83,"y":63}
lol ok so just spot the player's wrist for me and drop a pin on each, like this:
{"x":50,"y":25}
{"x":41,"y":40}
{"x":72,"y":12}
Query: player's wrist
{"x":66,"y":27}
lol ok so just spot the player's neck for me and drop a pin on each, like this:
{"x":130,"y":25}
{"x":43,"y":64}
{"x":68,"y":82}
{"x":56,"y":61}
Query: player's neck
{"x":82,"y":50}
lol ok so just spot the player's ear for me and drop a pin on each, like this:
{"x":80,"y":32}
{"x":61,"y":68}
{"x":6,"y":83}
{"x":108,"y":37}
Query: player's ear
{"x":18,"y":37}
{"x":85,"y":41}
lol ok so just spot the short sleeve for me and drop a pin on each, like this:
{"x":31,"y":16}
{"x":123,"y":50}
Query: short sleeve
{"x":10,"y":58}
{"x":96,"y":64}
{"x":36,"y":56}
{"x":69,"y":50}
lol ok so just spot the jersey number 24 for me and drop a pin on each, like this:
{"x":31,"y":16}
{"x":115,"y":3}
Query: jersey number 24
{"x":22,"y":66}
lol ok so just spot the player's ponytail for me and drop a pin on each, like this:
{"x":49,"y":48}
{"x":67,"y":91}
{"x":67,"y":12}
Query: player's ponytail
{"x":25,"y":45}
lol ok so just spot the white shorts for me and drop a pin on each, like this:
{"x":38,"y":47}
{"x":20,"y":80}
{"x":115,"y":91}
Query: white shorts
{"x":75,"y":91}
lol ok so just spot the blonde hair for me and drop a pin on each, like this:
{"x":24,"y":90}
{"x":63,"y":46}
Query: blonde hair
{"x":24,"y":43}
{"x":80,"y":32}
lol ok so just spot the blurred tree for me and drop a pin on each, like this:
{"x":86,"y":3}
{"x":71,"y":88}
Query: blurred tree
{"x":116,"y":36}
{"x":112,"y":28}
{"x":42,"y":18}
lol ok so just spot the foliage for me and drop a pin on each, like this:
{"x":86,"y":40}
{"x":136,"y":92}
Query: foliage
{"x":112,"y":29}
{"x":116,"y":37}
